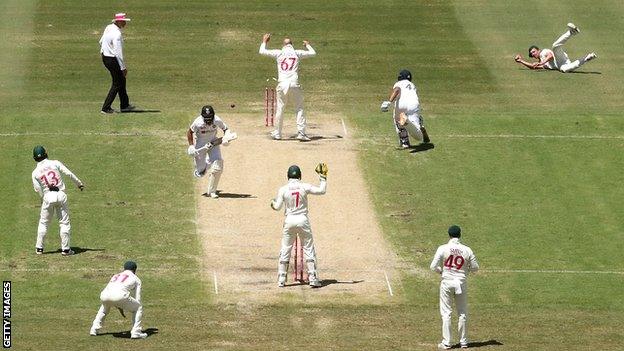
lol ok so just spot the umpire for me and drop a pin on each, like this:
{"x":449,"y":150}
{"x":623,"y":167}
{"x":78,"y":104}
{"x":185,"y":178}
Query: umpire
{"x":112,"y":56}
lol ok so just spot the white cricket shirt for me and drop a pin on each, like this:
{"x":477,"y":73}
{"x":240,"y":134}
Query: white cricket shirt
{"x":454,"y":260}
{"x":408,"y":97}
{"x":111,"y":44}
{"x":48,"y":173}
{"x":125,"y":283}
{"x":294,"y":196}
{"x":550,"y":64}
{"x":287,"y":61}
{"x":205,"y":133}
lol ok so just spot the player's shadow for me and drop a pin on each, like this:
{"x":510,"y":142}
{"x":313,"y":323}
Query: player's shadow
{"x":585,"y":72}
{"x":490,"y":342}
{"x":77,"y":250}
{"x":141,"y":110}
{"x":421,"y":147}
{"x":126,"y":334}
{"x":327,"y":282}
{"x":313,"y":138}
{"x":232,"y":195}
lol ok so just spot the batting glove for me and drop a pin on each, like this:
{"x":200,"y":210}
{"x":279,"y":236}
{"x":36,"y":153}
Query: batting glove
{"x":385,"y":106}
{"x":191,"y":150}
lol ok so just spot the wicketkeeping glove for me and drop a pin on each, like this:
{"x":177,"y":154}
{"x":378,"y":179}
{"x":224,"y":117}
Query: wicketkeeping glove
{"x":385,"y":106}
{"x":321,"y":169}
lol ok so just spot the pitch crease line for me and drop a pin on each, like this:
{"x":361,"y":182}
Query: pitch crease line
{"x":388,"y":283}
{"x":549,"y":271}
{"x":216,"y":284}
{"x":344,"y":126}
{"x":524,"y":136}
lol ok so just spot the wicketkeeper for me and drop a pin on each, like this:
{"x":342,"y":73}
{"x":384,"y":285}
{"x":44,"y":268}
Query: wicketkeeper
{"x":294,"y":197}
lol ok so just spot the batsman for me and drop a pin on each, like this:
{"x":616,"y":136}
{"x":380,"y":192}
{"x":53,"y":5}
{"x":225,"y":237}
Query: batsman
{"x":205,"y":148}
{"x":294,"y":197}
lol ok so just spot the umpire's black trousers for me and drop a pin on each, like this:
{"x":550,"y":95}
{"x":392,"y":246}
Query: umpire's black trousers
{"x":118,"y":86}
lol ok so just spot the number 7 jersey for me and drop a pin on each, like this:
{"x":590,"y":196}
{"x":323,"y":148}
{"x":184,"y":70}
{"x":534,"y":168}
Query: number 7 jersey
{"x":294,"y":196}
{"x":454,"y":260}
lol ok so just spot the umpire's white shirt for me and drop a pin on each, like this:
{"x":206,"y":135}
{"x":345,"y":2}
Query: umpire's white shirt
{"x":111,"y":44}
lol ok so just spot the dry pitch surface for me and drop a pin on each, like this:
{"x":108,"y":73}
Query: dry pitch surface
{"x":241,"y":234}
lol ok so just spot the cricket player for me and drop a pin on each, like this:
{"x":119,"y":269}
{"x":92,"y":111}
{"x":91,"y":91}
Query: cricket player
{"x":203,"y":147}
{"x":294,"y":197}
{"x":407,"y":119}
{"x":118,"y":293}
{"x":48,"y":183}
{"x":288,"y":82}
{"x":557,"y":58}
{"x":453,"y":261}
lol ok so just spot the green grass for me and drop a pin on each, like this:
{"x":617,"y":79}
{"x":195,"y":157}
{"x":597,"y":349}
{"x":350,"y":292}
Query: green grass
{"x":524,"y":203}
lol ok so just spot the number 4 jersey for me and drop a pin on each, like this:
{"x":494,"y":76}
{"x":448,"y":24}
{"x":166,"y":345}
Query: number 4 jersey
{"x":48,"y":174}
{"x":454,"y":260}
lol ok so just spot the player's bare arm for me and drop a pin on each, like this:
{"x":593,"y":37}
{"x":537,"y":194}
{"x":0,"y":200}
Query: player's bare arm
{"x":394,"y":94}
{"x":531,"y":65}
{"x":266,"y":37}
{"x":189,"y":137}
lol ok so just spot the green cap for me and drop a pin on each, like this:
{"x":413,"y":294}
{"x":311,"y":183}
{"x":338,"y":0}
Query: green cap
{"x":39,"y":153}
{"x":454,"y":231}
{"x":130,"y":266}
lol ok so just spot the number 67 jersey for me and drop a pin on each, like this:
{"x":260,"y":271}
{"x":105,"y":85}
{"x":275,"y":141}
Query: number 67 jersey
{"x":454,"y":260}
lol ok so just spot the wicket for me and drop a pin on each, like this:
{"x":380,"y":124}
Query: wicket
{"x":269,"y":105}
{"x":299,"y":272}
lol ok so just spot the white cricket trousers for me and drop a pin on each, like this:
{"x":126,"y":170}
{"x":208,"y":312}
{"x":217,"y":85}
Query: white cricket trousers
{"x":123,"y":300}
{"x":284,"y":92}
{"x":54,"y":202}
{"x":452,"y":289}
{"x":298,"y":225}
{"x":562,"y":61}
{"x":211,"y":162}
{"x":413,"y":125}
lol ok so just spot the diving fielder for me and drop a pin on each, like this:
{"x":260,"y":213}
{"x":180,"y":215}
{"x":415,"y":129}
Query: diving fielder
{"x":294,"y":197}
{"x":453,"y":261}
{"x":48,"y":183}
{"x":118,"y":293}
{"x":288,"y":82}
{"x":407,"y":119}
{"x":556,"y":59}
{"x":204,"y":149}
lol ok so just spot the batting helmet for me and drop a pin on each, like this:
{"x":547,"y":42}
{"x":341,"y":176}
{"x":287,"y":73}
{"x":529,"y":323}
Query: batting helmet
{"x":130,"y":266}
{"x":294,"y":172}
{"x":454,"y":231}
{"x":208,"y":113}
{"x":405,"y":74}
{"x":39,"y":153}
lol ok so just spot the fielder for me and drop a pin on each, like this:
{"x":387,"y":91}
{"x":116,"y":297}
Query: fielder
{"x":294,"y":197}
{"x":454,"y":260}
{"x":118,"y":294}
{"x":407,"y":119}
{"x":288,"y":82}
{"x":48,"y":183}
{"x":205,"y":147}
{"x":557,"y":58}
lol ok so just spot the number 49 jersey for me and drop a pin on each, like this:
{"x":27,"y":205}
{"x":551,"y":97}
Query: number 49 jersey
{"x":48,"y":174}
{"x":294,"y":196}
{"x":454,"y":260}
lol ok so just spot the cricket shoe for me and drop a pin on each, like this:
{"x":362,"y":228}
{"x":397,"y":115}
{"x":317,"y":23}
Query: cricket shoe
{"x":573,"y":29}
{"x":39,"y":251}
{"x":214,"y":195}
{"x":108,"y":111}
{"x":199,"y":174}
{"x":591,"y":56}
{"x":128,"y":108}
{"x":443,"y":346}
{"x":463,"y":346}
{"x":281,"y":280}
{"x":67,"y":252}
{"x":315,"y":282}
{"x":276,"y":135}
{"x":138,"y":336}
{"x":302,"y":137}
{"x":93,"y":332}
